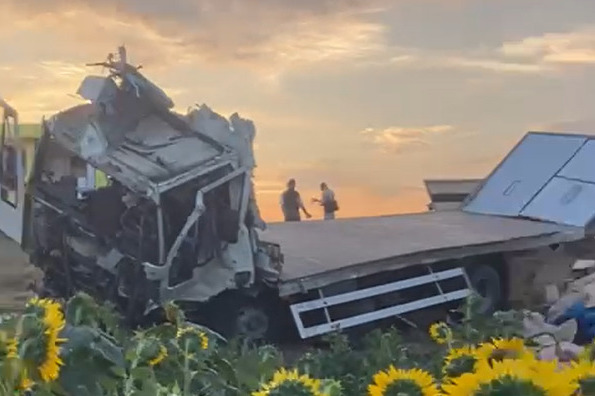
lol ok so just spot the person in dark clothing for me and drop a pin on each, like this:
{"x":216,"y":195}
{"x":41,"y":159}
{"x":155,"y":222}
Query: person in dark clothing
{"x":291,"y":203}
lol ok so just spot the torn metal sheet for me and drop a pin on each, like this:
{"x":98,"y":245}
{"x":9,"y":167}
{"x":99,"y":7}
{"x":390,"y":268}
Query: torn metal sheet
{"x":525,"y":171}
{"x":140,"y":153}
{"x":563,"y":201}
{"x":547,"y":176}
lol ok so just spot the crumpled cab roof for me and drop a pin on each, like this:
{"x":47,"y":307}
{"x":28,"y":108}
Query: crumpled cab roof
{"x":140,"y":149}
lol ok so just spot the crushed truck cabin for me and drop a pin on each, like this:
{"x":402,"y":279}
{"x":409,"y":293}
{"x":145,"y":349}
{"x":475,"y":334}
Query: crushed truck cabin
{"x":134,"y":203}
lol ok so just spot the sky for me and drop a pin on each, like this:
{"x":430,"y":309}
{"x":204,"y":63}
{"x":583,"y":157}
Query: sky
{"x":370,"y":96}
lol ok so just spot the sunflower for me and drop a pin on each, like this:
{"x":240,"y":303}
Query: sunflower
{"x":503,"y":349}
{"x":160,"y":356}
{"x":25,"y":384}
{"x":53,"y":323}
{"x":512,"y":377}
{"x":285,"y":381}
{"x":200,"y":335}
{"x":583,"y":376}
{"x":440,"y":333}
{"x":459,"y":361}
{"x":12,"y":347}
{"x":414,"y":382}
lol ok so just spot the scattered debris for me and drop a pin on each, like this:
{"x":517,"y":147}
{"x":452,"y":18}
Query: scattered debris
{"x":553,"y":341}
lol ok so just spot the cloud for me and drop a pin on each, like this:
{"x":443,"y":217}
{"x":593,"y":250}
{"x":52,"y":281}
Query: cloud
{"x":531,"y":55}
{"x":267,"y":34}
{"x":271,"y":37}
{"x":540,"y":54}
{"x":401,"y":139}
{"x":492,"y":65}
{"x":480,"y":60}
{"x":39,"y":89}
{"x":337,"y":170}
{"x":575,"y":47}
{"x":483,"y":60}
{"x":585,"y":125}
{"x":60,"y":69}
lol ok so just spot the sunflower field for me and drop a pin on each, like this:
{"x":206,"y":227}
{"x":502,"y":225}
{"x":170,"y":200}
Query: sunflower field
{"x":79,"y":348}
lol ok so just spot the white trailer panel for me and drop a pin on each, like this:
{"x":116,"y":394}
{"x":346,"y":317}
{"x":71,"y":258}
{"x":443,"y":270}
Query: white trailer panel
{"x":524,"y":173}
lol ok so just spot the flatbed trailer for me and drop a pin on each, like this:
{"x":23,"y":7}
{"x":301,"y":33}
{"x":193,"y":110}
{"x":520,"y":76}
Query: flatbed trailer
{"x":513,"y":239}
{"x":409,"y":258}
{"x":320,"y":253}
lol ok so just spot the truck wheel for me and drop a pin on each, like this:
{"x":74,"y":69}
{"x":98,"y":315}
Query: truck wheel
{"x":235,"y":315}
{"x":487,"y":283}
{"x":252,"y":323}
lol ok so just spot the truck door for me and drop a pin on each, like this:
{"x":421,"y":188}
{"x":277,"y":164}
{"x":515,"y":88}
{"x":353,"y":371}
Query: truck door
{"x":12,"y":180}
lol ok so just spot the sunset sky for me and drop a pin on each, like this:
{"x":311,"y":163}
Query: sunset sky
{"x":371,"y":96}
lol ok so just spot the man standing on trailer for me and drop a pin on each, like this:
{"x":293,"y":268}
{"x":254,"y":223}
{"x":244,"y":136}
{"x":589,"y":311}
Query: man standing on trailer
{"x":327,"y":201}
{"x":291,"y":203}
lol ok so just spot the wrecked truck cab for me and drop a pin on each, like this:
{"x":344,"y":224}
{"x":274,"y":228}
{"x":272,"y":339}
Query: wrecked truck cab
{"x":175,"y":215}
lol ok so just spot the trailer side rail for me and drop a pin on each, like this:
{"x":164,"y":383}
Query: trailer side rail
{"x":331,"y":325}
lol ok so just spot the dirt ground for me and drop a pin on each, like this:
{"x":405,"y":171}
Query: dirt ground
{"x":16,"y":275}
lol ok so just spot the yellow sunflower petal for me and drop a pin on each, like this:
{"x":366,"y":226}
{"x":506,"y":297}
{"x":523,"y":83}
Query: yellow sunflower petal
{"x":501,"y":349}
{"x":283,"y":376}
{"x":54,"y":322}
{"x":540,"y":374}
{"x":26,"y":384}
{"x":12,"y":348}
{"x":160,"y":356}
{"x":204,"y":339}
{"x":440,"y":332}
{"x":454,"y":354}
{"x":384,"y":379}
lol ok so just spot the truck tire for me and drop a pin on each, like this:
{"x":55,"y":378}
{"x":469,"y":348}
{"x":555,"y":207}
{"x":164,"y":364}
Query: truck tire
{"x":487,"y":283}
{"x":235,"y":315}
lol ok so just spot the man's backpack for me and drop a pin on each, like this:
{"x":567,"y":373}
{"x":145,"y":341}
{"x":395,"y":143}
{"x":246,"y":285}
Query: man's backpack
{"x":332,"y":206}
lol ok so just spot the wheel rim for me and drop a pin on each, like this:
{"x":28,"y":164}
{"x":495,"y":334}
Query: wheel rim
{"x":252,"y":323}
{"x":487,"y":294}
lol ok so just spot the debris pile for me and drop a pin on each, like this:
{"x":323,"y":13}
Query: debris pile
{"x":567,"y":324}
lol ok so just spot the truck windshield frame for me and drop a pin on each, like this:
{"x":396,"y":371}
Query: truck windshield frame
{"x":166,"y":259}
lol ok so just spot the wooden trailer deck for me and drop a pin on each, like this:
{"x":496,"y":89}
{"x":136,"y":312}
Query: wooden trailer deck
{"x":319,"y":253}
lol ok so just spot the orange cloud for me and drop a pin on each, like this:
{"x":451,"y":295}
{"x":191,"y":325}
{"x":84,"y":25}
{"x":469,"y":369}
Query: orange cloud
{"x":269,"y":34}
{"x":396,"y":139}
